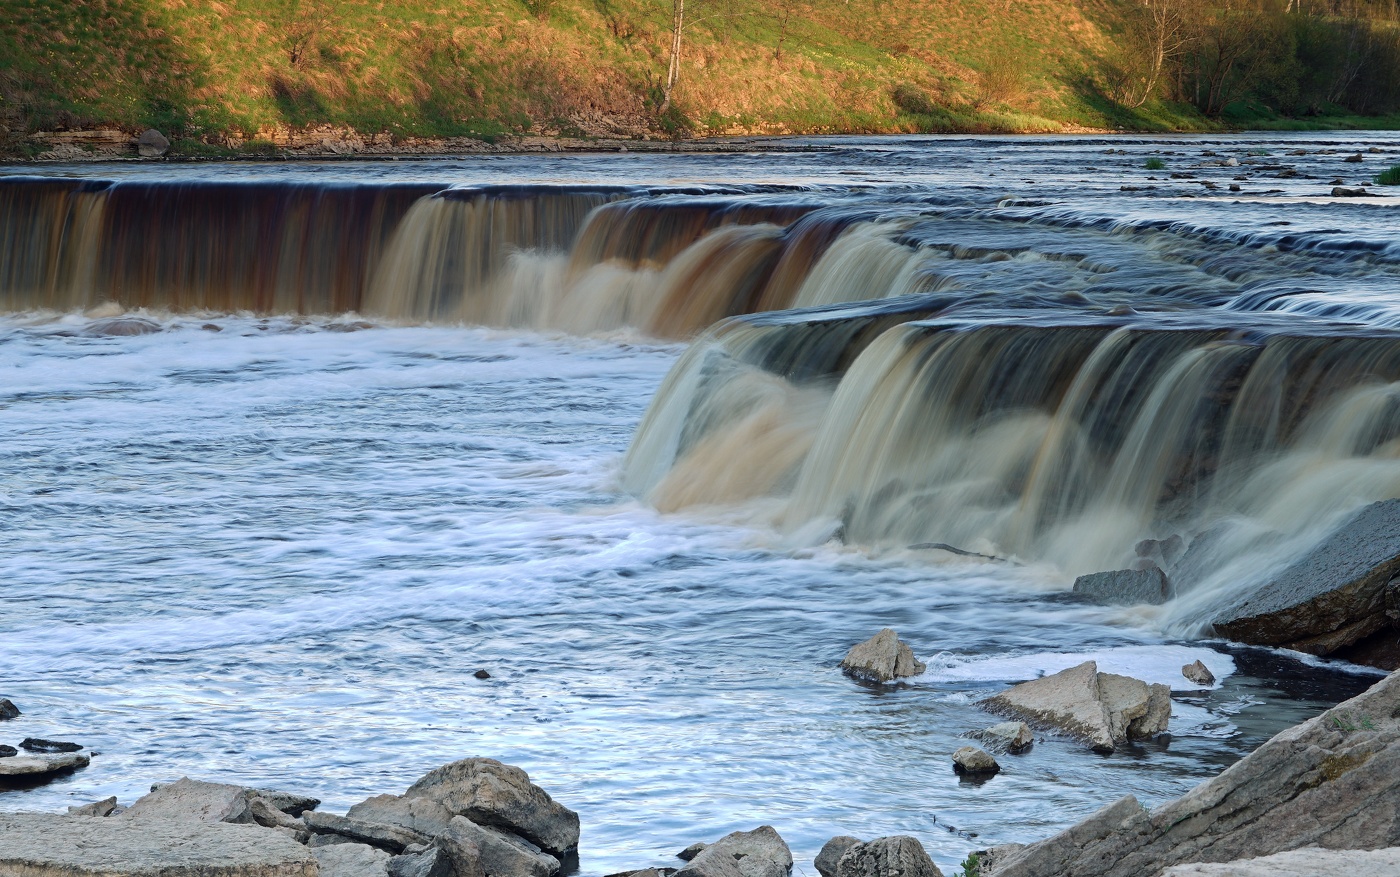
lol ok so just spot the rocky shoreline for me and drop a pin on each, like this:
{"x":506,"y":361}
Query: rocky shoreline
{"x":1320,"y":798}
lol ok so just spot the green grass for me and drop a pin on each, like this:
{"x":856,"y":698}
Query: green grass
{"x":1155,"y":164}
{"x":1389,"y":177}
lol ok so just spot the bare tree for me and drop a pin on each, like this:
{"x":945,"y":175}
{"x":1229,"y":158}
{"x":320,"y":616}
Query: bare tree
{"x":673,"y":74}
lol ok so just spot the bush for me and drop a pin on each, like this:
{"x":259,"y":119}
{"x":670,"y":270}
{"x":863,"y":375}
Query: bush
{"x":1389,"y":177}
{"x":1155,"y":164}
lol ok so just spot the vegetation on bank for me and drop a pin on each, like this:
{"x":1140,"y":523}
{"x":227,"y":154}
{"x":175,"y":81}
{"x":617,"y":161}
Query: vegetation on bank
{"x":221,"y":74}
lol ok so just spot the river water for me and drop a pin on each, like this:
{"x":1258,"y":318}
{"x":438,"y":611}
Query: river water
{"x":273,"y":549}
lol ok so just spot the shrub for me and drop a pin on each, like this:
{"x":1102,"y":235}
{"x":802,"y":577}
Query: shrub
{"x":1390,"y":177}
{"x":1155,"y":164}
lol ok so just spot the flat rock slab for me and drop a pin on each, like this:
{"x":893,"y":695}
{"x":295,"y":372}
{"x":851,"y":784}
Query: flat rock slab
{"x":49,"y":845}
{"x":1336,"y":595}
{"x":1101,"y":709}
{"x":1311,"y":862}
{"x":28,"y":766}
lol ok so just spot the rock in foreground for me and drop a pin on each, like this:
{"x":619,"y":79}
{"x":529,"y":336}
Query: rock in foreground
{"x":882,"y":658}
{"x":1102,"y":709}
{"x":897,"y":856}
{"x":48,"y":845}
{"x":1312,"y":862}
{"x":758,"y":853}
{"x":1341,"y":597}
{"x":1333,"y":781}
{"x":498,"y":795}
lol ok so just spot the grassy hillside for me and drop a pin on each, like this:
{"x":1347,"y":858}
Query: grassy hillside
{"x":220,"y":73}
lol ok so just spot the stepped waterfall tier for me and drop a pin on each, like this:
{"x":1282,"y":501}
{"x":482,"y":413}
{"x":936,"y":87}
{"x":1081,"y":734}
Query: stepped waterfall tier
{"x":321,"y":475}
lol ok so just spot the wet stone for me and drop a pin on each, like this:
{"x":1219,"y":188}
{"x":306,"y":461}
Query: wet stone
{"x":971,"y":760}
{"x":1198,"y":673}
{"x":8,"y":751}
{"x":34,"y":744}
{"x":8,"y":710}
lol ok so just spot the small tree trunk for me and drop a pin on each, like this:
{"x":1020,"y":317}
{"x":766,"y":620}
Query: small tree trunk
{"x":674,"y":74}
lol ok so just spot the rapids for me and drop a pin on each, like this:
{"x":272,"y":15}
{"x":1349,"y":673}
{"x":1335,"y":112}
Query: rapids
{"x":654,"y":439}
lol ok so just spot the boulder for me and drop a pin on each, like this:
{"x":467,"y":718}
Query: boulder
{"x":8,"y":710}
{"x":8,"y":751}
{"x":502,"y":854}
{"x":393,"y":838}
{"x":1198,"y":673}
{"x":1341,"y":593}
{"x":34,"y":744}
{"x":122,"y":327}
{"x":152,"y":144}
{"x":352,"y":860}
{"x":897,"y":856}
{"x":971,"y":760}
{"x":882,"y":658}
{"x":422,"y":815}
{"x":431,"y":862}
{"x":1101,"y":709}
{"x":97,"y":808}
{"x":1311,"y":862}
{"x":758,"y":853}
{"x":831,"y":854}
{"x":1006,"y":736}
{"x":30,"y":768}
{"x":1333,"y":781}
{"x":50,"y":845}
{"x":1162,"y":552}
{"x":490,"y":793}
{"x":1125,"y":587}
{"x":1344,"y":192}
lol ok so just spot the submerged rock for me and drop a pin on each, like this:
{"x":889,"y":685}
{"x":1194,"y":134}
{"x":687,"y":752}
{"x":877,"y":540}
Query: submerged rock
{"x":1125,"y":587}
{"x":1344,"y":192}
{"x":490,"y":793}
{"x":897,"y":856}
{"x":1339,"y":595}
{"x":882,"y":658}
{"x":34,"y":744}
{"x":7,"y":751}
{"x":1333,"y":781}
{"x":971,"y":760}
{"x":1198,"y":673}
{"x":1006,"y":736}
{"x":1102,"y":709}
{"x":8,"y":710}
{"x":831,"y":854}
{"x":123,"y":326}
{"x":50,"y":845}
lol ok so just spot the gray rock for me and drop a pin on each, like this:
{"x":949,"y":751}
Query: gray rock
{"x":352,"y":860}
{"x":463,"y":855}
{"x":758,"y":853}
{"x":49,"y":845}
{"x":1198,"y":673}
{"x":31,"y":767}
{"x":188,"y":800}
{"x":422,"y":815}
{"x":123,"y":326}
{"x":34,"y":744}
{"x":692,"y":851}
{"x":152,"y":144}
{"x":8,"y":751}
{"x":897,"y":856}
{"x":1006,"y":736}
{"x":882,"y":658}
{"x":8,"y":710}
{"x":490,"y":793}
{"x":1344,"y":192}
{"x":1333,"y":781}
{"x":1163,"y":552}
{"x":97,"y":808}
{"x":1311,"y":862}
{"x":266,"y":815}
{"x":971,"y":760}
{"x":1125,"y":587}
{"x":1353,"y":159}
{"x":1101,"y":709}
{"x":393,"y":838}
{"x":316,"y":841}
{"x":430,"y":862}
{"x":1338,"y":594}
{"x":502,"y":854}
{"x":831,"y":854}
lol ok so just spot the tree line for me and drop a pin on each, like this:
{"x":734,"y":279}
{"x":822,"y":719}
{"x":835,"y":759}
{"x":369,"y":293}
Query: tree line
{"x":1298,"y":57}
